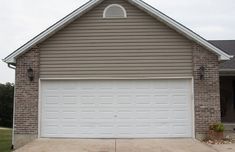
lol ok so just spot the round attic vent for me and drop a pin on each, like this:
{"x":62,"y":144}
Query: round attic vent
{"x":114,"y":11}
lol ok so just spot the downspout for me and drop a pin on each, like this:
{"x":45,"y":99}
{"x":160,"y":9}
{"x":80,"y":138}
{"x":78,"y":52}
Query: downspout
{"x":13,"y":125}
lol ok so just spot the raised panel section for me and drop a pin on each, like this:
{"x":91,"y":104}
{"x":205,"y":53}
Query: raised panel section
{"x":116,"y":108}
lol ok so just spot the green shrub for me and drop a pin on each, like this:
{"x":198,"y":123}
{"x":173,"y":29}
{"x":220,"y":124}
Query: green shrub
{"x":217,"y":127}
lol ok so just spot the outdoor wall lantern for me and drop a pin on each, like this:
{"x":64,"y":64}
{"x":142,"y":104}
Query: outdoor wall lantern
{"x":30,"y":74}
{"x":202,"y":72}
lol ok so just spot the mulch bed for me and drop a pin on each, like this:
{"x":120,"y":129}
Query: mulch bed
{"x":219,"y":142}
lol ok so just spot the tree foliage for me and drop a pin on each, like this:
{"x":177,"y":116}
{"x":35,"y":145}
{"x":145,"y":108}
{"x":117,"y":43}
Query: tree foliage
{"x":6,"y":104}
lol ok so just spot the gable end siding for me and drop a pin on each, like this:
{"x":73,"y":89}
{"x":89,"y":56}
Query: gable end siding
{"x":138,"y":46}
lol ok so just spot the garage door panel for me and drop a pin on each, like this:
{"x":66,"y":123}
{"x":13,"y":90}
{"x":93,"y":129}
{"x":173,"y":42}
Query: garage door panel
{"x":179,"y":130}
{"x":69,"y":99}
{"x":52,"y":131}
{"x":116,"y":108}
{"x":51,"y":122}
{"x":51,"y":100}
{"x":52,"y":115}
{"x":180,"y":115}
{"x":68,"y":116}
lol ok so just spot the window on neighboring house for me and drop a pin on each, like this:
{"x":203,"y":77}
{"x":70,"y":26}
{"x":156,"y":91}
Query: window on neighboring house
{"x":114,"y":11}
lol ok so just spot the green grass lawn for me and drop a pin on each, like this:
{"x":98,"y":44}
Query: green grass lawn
{"x":5,"y":140}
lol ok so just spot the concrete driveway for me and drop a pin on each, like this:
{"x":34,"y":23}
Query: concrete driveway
{"x":135,"y":145}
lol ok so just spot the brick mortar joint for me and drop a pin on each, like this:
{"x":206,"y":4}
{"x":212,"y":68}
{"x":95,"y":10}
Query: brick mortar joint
{"x":207,"y":103}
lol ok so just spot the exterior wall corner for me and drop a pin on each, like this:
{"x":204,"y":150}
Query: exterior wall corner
{"x":26,"y":98}
{"x":206,"y":91}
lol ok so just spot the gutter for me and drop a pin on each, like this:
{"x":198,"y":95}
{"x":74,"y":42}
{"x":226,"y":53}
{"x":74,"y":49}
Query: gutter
{"x":11,"y":66}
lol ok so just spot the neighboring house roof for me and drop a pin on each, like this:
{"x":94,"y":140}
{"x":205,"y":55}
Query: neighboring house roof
{"x":138,"y":3}
{"x":227,"y":46}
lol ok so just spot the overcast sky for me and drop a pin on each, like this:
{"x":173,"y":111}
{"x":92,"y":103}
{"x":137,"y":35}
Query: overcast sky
{"x":21,"y":20}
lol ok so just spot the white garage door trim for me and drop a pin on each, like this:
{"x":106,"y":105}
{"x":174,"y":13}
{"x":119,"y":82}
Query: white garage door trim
{"x":41,"y":80}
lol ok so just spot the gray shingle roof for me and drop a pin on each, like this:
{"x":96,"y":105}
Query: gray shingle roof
{"x":227,"y":46}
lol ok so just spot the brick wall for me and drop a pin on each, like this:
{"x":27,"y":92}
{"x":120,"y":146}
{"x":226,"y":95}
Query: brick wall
{"x":206,"y":92}
{"x":26,"y":95}
{"x":207,"y":96}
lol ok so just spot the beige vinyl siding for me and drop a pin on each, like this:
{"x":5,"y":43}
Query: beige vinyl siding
{"x":136,"y":47}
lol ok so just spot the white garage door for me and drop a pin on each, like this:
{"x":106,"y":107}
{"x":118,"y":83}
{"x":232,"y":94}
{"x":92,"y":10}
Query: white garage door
{"x":116,"y":108}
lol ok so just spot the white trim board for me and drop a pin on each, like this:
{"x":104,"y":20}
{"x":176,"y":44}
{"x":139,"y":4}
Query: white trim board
{"x":193,"y":111}
{"x":39,"y":107}
{"x":140,"y":4}
{"x":109,"y":78}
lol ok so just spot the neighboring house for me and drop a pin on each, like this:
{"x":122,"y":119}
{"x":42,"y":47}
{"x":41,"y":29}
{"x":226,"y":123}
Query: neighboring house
{"x":227,"y":84}
{"x":116,"y":69}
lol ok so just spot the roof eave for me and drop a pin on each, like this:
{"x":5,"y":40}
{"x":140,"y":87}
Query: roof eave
{"x":225,"y":58}
{"x":51,"y":30}
{"x":139,"y":3}
{"x":9,"y":61}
